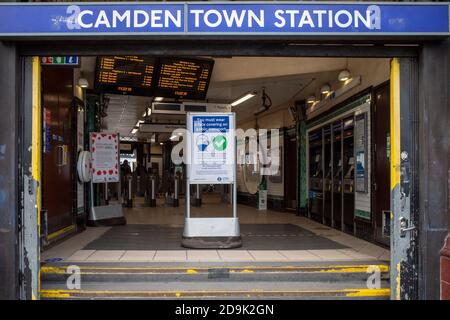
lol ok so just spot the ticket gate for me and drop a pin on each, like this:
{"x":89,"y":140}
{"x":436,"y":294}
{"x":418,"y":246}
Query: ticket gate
{"x":127,"y":191}
{"x":173,"y":194}
{"x":150,"y":192}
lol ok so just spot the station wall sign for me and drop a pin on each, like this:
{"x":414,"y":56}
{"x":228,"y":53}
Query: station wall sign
{"x":223,"y":18}
{"x":211,"y":149}
{"x":73,"y":61}
{"x":104,"y":149}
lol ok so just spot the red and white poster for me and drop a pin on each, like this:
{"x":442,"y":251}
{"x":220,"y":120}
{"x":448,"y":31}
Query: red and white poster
{"x":105,"y":157}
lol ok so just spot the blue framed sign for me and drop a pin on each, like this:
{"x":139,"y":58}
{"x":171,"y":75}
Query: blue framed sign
{"x":223,"y":18}
{"x":211,"y":148}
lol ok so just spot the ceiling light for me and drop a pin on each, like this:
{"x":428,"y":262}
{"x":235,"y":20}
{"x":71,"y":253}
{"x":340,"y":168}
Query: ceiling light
{"x":243,"y":98}
{"x":326,"y":89}
{"x":149,"y":111}
{"x":83,"y":83}
{"x":311,"y":99}
{"x":344,"y":75}
{"x":161,"y":143}
{"x":134,"y":130}
{"x":159,"y":99}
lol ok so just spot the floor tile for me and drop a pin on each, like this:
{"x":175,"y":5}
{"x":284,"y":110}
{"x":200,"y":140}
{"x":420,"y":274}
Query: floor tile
{"x":300,"y":255}
{"x":386,"y":255}
{"x":357,"y":255}
{"x":372,"y":250}
{"x":331,"y":255}
{"x":106,"y":255}
{"x":170,"y":255}
{"x":80,"y":255}
{"x":267,"y":255}
{"x":203,"y":255}
{"x":138,"y":255}
{"x":235,"y":255}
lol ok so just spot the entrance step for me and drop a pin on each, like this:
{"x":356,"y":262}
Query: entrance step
{"x":321,"y":281}
{"x":256,"y":292}
{"x":105,"y":273}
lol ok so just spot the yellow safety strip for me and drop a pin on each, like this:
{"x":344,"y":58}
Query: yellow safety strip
{"x":395,"y":143}
{"x":36,"y":147}
{"x":193,"y":271}
{"x":369,"y":293}
{"x":395,"y":122}
{"x":61,"y":232}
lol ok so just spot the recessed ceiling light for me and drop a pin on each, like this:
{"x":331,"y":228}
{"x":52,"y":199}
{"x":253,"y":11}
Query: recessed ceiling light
{"x":245,"y":97}
{"x":326,"y":89}
{"x":344,"y":75}
{"x":159,"y":99}
{"x":311,"y":99}
{"x":83,"y":83}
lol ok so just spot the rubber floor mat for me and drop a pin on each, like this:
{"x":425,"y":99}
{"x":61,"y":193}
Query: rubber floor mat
{"x":254,"y":237}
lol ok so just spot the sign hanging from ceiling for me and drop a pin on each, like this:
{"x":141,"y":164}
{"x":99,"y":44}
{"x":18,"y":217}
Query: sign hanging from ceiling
{"x":184,"y":78}
{"x":179,"y":78}
{"x":125,"y":74}
{"x":211,"y":148}
{"x":234,"y":18}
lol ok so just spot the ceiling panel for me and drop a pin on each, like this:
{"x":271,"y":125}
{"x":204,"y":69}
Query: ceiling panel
{"x":284,"y":79}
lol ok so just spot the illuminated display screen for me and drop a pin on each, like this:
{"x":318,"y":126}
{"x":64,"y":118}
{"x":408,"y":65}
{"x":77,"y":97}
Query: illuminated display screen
{"x":183,"y":78}
{"x":176,"y":78}
{"x":132,"y":75}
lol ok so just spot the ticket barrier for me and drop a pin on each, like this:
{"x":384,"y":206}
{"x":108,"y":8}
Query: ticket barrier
{"x":128,"y":192}
{"x":150,"y":193}
{"x":173,"y":197}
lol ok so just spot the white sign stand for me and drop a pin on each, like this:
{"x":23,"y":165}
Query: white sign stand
{"x":211,"y":157}
{"x":105,"y":169}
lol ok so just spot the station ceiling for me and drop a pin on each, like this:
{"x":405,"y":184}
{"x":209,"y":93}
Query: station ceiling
{"x":285,"y":80}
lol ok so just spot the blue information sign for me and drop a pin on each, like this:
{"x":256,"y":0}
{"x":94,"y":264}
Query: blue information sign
{"x":229,"y":18}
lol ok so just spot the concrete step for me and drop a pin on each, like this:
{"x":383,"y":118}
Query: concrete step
{"x":208,"y":290}
{"x":270,"y":273}
{"x":214,"y":281}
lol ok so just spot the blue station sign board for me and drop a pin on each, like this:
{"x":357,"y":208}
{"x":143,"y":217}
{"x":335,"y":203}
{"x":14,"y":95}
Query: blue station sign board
{"x":223,"y":18}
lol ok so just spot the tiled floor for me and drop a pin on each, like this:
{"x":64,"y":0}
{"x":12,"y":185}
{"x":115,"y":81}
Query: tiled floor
{"x":358,"y":249}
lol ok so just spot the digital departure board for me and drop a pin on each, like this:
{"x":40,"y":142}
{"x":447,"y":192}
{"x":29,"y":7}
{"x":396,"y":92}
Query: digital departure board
{"x":167,"y":77}
{"x":132,"y":75}
{"x":183,"y":78}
